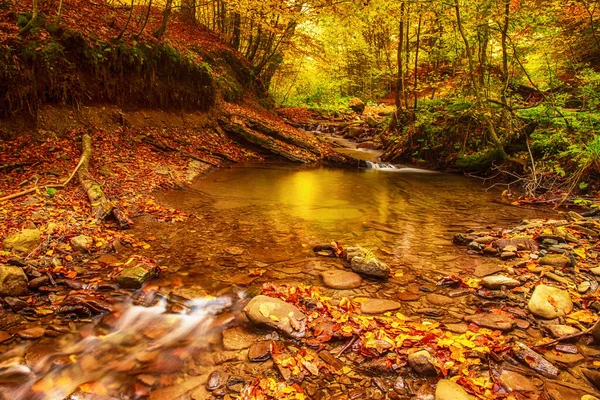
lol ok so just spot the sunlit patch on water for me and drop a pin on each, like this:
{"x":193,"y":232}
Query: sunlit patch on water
{"x":117,"y":350}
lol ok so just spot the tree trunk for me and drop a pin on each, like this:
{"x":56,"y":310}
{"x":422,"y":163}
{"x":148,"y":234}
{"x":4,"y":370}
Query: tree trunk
{"x":237,"y":20}
{"x":25,"y":30}
{"x":163,"y":25}
{"x":59,"y":14}
{"x":416,"y":76}
{"x":400,"y":77}
{"x":145,"y":19}
{"x":128,"y":19}
{"x":505,"y":72}
{"x":407,"y":52}
{"x":483,"y":109}
{"x":188,"y":9}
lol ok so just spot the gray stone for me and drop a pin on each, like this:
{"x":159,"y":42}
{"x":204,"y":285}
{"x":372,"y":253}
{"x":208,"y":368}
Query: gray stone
{"x":448,"y":390}
{"x":277,"y":314}
{"x":555,"y":260}
{"x":497,"y":281}
{"x":338,"y":279}
{"x":379,"y":306}
{"x":13,"y":281}
{"x":135,"y":277}
{"x":22,"y":242}
{"x":81,"y":243}
{"x":369,"y":266}
{"x":421,"y":363}
{"x":550,"y":302}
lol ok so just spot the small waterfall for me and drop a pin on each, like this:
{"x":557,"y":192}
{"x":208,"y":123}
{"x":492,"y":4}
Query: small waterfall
{"x":381,"y":166}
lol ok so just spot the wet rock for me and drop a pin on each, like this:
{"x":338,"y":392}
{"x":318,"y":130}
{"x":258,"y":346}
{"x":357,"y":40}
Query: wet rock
{"x":457,"y":328}
{"x":32,"y":333}
{"x":595,"y":271}
{"x":550,"y":302}
{"x":487,"y":269}
{"x":439,"y":299}
{"x":369,"y":266}
{"x":535,"y":360}
{"x":338,"y":279}
{"x":518,"y":243}
{"x":179,"y":390}
{"x":238,"y":338}
{"x":81,"y":243}
{"x":593,"y":376}
{"x":492,"y":321}
{"x":514,"y":381}
{"x":475,"y":246}
{"x":16,"y":304}
{"x":448,"y":390}
{"x":13,"y":281}
{"x":421,"y":363}
{"x":378,"y":306}
{"x":277,"y":314}
{"x":583,"y":287}
{"x":407,"y":296}
{"x":24,"y":241}
{"x":558,"y":331}
{"x":260,"y":351}
{"x":507,"y":255}
{"x":564,"y":359}
{"x":187,"y":293}
{"x":4,"y":336}
{"x":356,"y":105}
{"x":497,"y":281}
{"x":135,"y":277}
{"x":37,"y":282}
{"x":484,"y":239}
{"x":555,"y":260}
{"x":461,"y":239}
{"x":234,"y":251}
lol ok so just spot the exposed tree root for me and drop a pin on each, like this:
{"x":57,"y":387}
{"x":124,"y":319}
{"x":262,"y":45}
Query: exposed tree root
{"x":102,"y":207}
{"x":152,"y":141}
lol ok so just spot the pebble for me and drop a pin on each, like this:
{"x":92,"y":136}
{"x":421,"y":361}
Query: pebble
{"x":583,"y":287}
{"x":338,"y":279}
{"x":378,"y":306}
{"x":555,"y":260}
{"x":234,"y":251}
{"x":407,"y":296}
{"x":216,"y":380}
{"x":497,"y":281}
{"x":558,"y":331}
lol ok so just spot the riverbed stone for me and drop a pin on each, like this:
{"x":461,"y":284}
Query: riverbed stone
{"x":558,"y":331}
{"x":135,"y":277}
{"x":497,"y":281}
{"x":24,"y":241}
{"x":378,"y":306}
{"x":439,"y":299}
{"x":260,"y":351}
{"x":13,"y":281}
{"x":277,"y":314}
{"x":421,"y":362}
{"x":555,"y":260}
{"x":448,"y":390}
{"x":32,"y":333}
{"x":370,"y":266}
{"x":81,"y":243}
{"x":338,"y":279}
{"x":514,"y":381}
{"x":550,"y":302}
{"x":492,"y":321}
{"x":187,"y":293}
{"x":238,"y":338}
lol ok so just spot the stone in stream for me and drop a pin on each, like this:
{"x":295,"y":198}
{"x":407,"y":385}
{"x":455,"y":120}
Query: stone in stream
{"x":216,"y":380}
{"x":593,"y":376}
{"x":555,"y":260}
{"x":448,"y":390}
{"x":439,"y":299}
{"x":492,"y":321}
{"x":550,"y":302}
{"x":407,"y":296}
{"x":513,"y":381}
{"x":338,"y":279}
{"x":135,"y":277}
{"x":81,"y":243}
{"x":32,"y":333}
{"x":564,"y":359}
{"x":260,"y":351}
{"x":238,"y":338}
{"x":277,"y":314}
{"x":558,"y":331}
{"x":234,"y":251}
{"x":24,"y":241}
{"x":13,"y":281}
{"x":421,"y":363}
{"x":497,"y":281}
{"x":368,"y":265}
{"x":378,"y":306}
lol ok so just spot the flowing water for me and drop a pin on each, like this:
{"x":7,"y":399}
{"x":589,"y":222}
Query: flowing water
{"x":250,"y":225}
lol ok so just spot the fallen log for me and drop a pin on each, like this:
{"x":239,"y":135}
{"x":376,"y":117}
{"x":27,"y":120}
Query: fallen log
{"x":102,"y":207}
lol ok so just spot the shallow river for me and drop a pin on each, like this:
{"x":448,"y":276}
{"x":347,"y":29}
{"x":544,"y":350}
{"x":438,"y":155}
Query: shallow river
{"x":250,"y":225}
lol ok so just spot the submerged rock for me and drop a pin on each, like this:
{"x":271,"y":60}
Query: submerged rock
{"x":277,"y":314}
{"x":492,"y":321}
{"x":338,"y":279}
{"x":362,"y":262}
{"x":514,"y":381}
{"x":550,"y":302}
{"x":13,"y":281}
{"x":135,"y":277}
{"x":497,"y":281}
{"x":448,"y":390}
{"x":22,"y":242}
{"x":238,"y":338}
{"x":379,"y":306}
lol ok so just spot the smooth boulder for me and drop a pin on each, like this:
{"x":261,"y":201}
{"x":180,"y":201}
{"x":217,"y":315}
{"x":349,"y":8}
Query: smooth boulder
{"x":378,"y":306}
{"x":550,"y":302}
{"x":421,"y":362}
{"x":370,"y":266}
{"x":81,"y":243}
{"x":277,"y":314}
{"x":555,"y":260}
{"x":448,"y":390}
{"x":24,"y":241}
{"x":497,"y":281}
{"x":338,"y":279}
{"x":13,"y":281}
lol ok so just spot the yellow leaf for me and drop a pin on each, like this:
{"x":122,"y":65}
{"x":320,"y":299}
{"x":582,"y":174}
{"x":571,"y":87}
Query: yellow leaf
{"x":580,"y":252}
{"x":49,"y":252}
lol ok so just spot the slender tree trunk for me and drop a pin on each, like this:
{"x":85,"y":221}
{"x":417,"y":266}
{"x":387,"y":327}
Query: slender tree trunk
{"x":505,"y":72}
{"x":400,"y":77}
{"x":483,"y":109}
{"x":128,"y":19}
{"x":416,"y":76}
{"x":145,"y":19}
{"x":165,"y":20}
{"x":59,"y":14}
{"x":237,"y":20}
{"x":592,"y":24}
{"x":188,"y":9}
{"x":407,"y":52}
{"x":25,"y":30}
